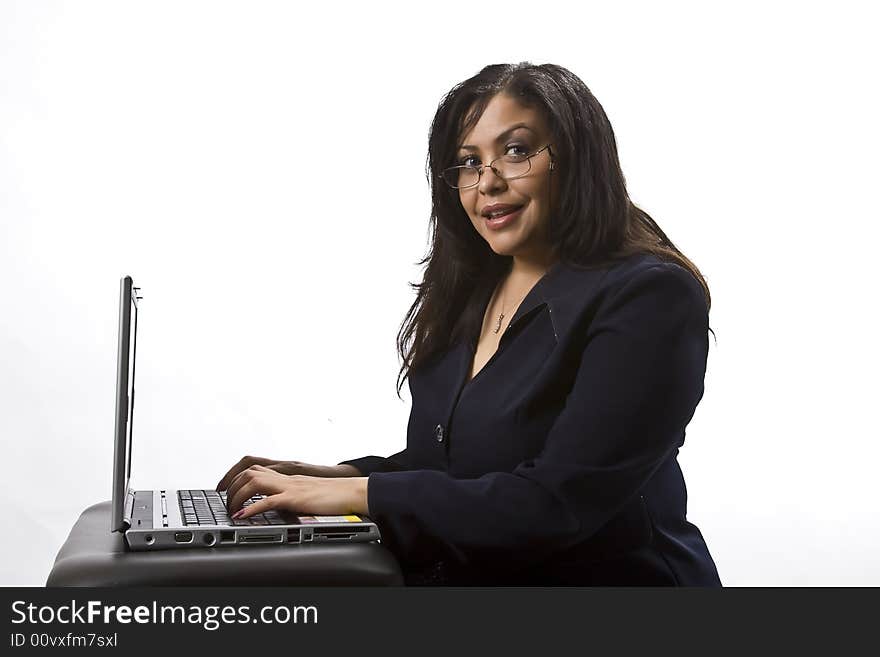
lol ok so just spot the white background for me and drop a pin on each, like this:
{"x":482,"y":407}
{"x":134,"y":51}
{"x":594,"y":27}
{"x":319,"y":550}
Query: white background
{"x":259,"y":168}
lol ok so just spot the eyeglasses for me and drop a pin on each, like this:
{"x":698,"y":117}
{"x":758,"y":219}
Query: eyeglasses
{"x":506,"y":167}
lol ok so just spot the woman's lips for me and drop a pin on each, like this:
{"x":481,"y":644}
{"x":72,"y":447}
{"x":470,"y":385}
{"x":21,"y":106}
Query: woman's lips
{"x":500,"y":222}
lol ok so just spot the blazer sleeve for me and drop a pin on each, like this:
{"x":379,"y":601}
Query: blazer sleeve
{"x":638,"y":383}
{"x":367,"y":465}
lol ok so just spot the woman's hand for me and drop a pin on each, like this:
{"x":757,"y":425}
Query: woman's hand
{"x":296,"y":493}
{"x":288,"y":468}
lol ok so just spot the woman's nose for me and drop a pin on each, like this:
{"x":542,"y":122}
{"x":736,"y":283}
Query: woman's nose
{"x":490,"y":180}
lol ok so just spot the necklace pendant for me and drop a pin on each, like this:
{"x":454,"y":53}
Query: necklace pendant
{"x":498,"y":326}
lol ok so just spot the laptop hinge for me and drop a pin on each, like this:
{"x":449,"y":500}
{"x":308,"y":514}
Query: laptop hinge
{"x":129,"y":506}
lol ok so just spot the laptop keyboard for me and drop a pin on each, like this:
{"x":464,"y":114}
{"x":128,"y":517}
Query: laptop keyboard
{"x":208,"y":507}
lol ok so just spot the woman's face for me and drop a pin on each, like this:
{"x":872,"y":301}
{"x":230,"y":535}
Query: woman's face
{"x":508,"y":128}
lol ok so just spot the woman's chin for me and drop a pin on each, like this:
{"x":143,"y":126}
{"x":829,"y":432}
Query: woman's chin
{"x":503,"y":247}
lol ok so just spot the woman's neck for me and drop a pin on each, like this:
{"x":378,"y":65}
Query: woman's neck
{"x":524,"y":273}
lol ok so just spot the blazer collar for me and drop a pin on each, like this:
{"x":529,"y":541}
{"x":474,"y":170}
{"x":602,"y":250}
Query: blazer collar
{"x":564,"y":289}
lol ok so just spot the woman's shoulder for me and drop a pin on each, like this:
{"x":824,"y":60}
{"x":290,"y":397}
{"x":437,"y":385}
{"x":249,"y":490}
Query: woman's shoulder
{"x":650,"y":270}
{"x":576,"y":292}
{"x":578,"y":281}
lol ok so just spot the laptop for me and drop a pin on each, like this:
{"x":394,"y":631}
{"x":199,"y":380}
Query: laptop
{"x":195,"y":517}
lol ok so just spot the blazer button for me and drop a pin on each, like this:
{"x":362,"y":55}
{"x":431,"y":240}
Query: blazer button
{"x":438,"y":433}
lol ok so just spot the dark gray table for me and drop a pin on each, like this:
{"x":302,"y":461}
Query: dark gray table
{"x":92,"y":555}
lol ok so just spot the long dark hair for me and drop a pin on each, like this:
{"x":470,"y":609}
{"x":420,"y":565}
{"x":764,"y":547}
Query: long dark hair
{"x":594,"y":222}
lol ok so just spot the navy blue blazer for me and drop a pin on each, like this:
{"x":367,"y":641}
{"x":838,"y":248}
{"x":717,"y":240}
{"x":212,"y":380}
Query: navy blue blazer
{"x":556,"y":464}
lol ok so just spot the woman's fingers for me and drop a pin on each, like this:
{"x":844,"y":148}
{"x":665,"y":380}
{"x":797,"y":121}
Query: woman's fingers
{"x":242,"y":494}
{"x":243,"y":464}
{"x":256,"y":479}
{"x":265,"y":504}
{"x":227,"y":478}
{"x":235,"y":484}
{"x":240,"y":488}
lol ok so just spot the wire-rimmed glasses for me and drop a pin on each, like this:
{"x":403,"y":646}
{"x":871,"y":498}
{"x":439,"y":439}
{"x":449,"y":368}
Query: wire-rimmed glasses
{"x":510,"y":167}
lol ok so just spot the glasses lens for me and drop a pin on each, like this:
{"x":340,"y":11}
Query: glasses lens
{"x":460,"y":176}
{"x":468,"y":176}
{"x":513,"y":166}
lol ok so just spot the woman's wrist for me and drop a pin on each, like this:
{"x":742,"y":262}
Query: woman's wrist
{"x":327,"y":471}
{"x":360,"y":503}
{"x":344,"y":470}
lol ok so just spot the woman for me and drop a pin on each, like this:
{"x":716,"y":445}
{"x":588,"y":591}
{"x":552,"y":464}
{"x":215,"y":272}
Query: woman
{"x":555,"y":353}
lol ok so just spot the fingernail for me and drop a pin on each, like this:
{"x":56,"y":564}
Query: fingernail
{"x":236,"y":515}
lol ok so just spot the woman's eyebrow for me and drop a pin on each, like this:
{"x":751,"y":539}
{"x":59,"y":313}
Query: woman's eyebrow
{"x":499,"y":138}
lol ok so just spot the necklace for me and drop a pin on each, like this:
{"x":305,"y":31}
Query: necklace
{"x":501,"y":315}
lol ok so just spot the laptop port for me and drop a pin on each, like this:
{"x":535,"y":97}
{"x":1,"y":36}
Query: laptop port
{"x":293,"y":536}
{"x":260,"y":538}
{"x":324,"y":531}
{"x":335,"y":537}
{"x":227,"y":537}
{"x":183,"y":537}
{"x":209,"y":539}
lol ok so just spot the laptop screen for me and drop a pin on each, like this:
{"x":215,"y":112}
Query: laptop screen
{"x":131,"y":361}
{"x":125,"y":371}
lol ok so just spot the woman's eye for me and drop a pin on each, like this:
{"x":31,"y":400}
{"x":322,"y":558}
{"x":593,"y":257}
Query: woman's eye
{"x":469,"y":161}
{"x":517,"y":149}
